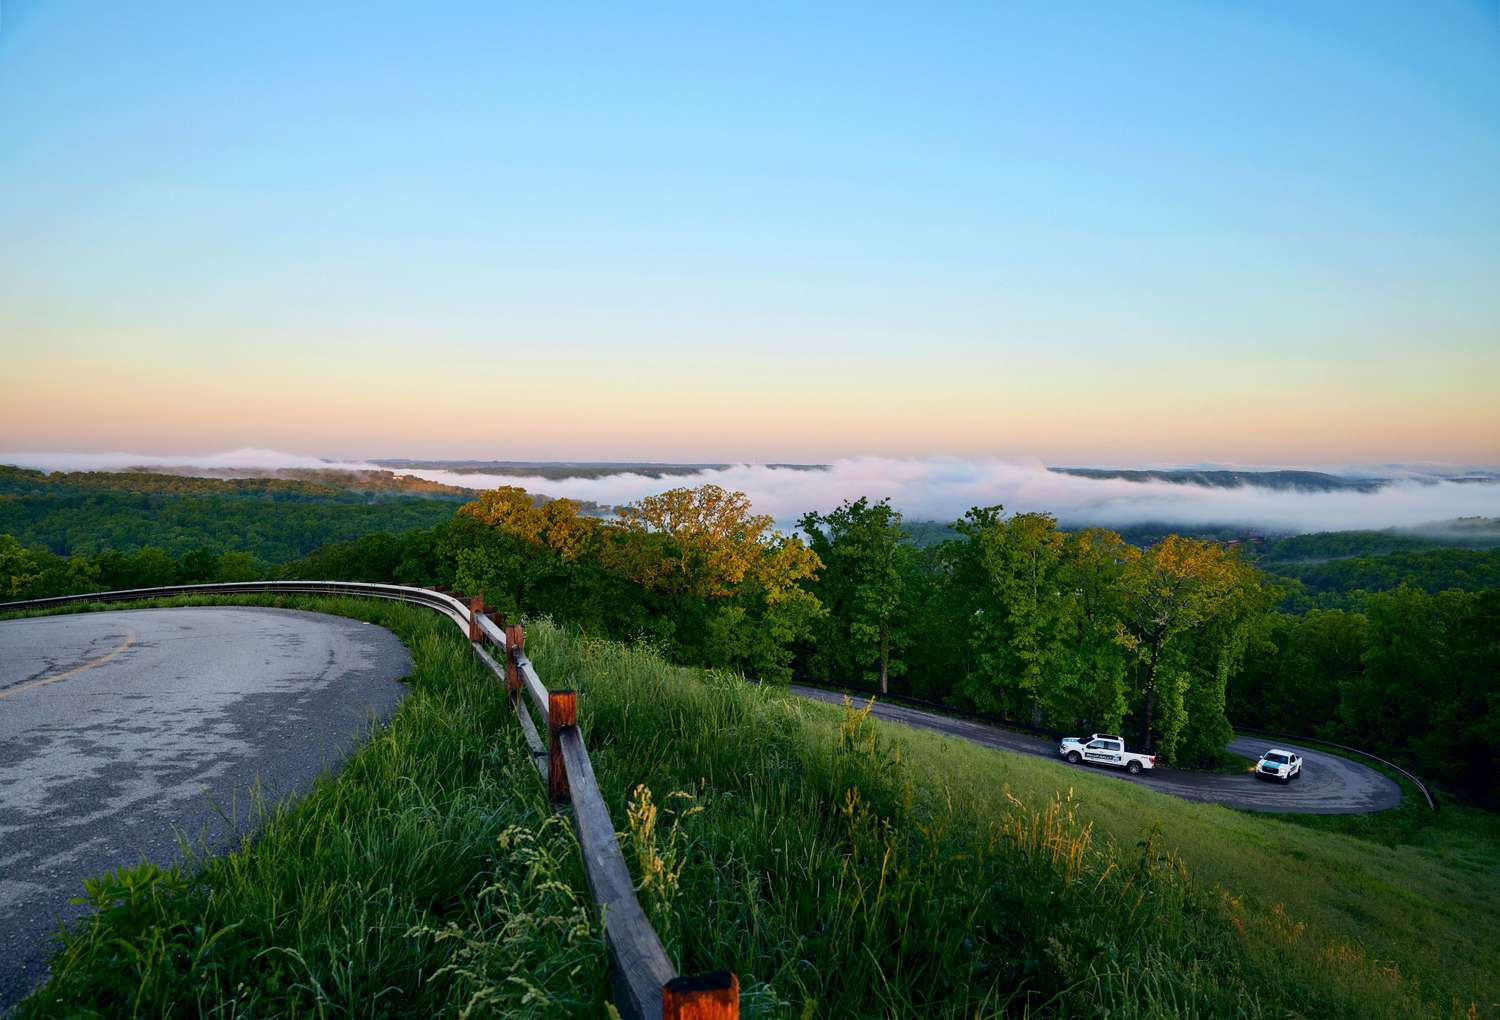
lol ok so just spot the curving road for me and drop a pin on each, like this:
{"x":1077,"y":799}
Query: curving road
{"x":1330,"y":785}
{"x":121,"y":730}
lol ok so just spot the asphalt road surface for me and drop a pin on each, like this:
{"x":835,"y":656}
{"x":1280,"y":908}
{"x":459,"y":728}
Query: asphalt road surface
{"x":1329,"y":785}
{"x":120,"y":731}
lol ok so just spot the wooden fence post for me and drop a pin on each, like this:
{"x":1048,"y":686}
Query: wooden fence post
{"x":515,"y":641}
{"x":476,"y":610}
{"x":562,"y":710}
{"x":713,"y":996}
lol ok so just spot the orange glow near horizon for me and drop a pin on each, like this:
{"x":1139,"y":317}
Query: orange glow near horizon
{"x":530,"y":409}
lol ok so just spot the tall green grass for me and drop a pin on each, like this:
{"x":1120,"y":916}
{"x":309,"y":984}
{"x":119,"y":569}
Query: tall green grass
{"x":848,"y":868}
{"x":841,"y":866}
{"x":428,"y":878}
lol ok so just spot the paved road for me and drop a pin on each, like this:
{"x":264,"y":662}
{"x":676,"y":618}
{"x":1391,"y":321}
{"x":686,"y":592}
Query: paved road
{"x":120,"y":730}
{"x":1330,"y":785}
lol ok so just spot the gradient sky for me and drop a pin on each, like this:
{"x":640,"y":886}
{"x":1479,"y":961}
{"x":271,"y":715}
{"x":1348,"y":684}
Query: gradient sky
{"x":1093,"y":233}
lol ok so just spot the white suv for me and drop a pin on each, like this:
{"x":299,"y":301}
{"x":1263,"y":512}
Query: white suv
{"x":1279,"y":764}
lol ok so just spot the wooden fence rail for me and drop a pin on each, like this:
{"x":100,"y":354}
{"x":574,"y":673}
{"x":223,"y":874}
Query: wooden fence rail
{"x":647,"y":986}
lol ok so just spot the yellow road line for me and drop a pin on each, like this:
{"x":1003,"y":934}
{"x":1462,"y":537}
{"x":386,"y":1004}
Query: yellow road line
{"x":54,"y":678}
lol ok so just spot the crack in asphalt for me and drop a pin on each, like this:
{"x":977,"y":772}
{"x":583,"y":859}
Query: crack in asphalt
{"x":48,"y":674}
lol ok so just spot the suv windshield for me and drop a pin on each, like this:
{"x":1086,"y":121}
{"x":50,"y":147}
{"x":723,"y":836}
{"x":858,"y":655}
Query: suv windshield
{"x":1278,"y":759}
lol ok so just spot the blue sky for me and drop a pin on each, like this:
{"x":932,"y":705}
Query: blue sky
{"x":1209,"y":231}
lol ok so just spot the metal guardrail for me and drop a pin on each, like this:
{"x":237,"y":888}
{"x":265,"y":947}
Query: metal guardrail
{"x":1431,"y":803}
{"x":647,"y":986}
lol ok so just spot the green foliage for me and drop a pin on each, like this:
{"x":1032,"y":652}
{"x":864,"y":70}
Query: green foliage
{"x":863,"y":589}
{"x":1415,"y":677}
{"x":1189,"y":611}
{"x":92,"y":513}
{"x":1082,"y":630}
{"x":1298,"y":668}
{"x":1017,"y":618}
{"x":19,"y":570}
{"x":1021,"y":619}
{"x":692,"y":570}
{"x":1465,"y":532}
{"x":411,"y":557}
{"x":37,"y":573}
{"x":1344,"y":583}
{"x":732,"y":585}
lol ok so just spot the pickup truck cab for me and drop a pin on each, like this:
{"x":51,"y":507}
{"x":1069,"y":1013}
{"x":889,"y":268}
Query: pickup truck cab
{"x":1279,"y":764}
{"x":1105,"y":749}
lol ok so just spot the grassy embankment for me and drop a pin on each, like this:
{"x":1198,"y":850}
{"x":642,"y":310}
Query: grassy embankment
{"x":961,"y":879}
{"x":843,"y":867}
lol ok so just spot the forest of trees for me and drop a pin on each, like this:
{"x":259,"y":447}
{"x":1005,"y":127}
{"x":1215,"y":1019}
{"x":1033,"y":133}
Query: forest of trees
{"x":96,"y":512}
{"x":1009,"y":615}
{"x":1344,"y":583}
{"x":1409,"y":673}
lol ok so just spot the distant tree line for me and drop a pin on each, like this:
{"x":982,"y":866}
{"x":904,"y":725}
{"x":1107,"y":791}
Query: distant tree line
{"x":30,"y":573}
{"x":1005,"y":614}
{"x":1345,"y":583}
{"x":92,"y":513}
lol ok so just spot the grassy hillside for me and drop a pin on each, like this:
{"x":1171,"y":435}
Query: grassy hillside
{"x":955,"y":880}
{"x":842,"y":867}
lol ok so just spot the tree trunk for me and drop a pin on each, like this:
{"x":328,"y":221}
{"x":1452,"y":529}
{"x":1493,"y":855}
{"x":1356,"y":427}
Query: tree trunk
{"x":885,"y":659}
{"x":1150,"y":704}
{"x":1151,"y":692}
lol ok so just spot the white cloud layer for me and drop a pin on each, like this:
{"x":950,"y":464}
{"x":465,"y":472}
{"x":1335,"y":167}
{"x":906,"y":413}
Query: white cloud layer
{"x":935,"y":488}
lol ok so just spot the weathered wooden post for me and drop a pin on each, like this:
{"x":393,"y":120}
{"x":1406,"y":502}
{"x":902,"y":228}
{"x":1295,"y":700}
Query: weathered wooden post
{"x":562,"y":710}
{"x":476,"y":610}
{"x":515,"y":641}
{"x":713,"y":996}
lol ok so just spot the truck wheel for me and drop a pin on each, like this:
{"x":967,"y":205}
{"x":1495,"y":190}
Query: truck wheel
{"x":1074,"y":757}
{"x":1134,"y":768}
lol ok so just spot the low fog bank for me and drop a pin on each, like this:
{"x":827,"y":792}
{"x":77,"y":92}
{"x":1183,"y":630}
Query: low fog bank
{"x":937,"y":488}
{"x":943,"y":488}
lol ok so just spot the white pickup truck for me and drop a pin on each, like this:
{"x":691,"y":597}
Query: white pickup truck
{"x":1105,"y":749}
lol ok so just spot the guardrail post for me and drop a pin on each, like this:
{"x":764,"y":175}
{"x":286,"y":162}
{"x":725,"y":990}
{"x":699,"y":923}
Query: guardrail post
{"x":713,"y":996}
{"x":515,"y":640}
{"x":476,"y":610}
{"x":562,"y":710}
